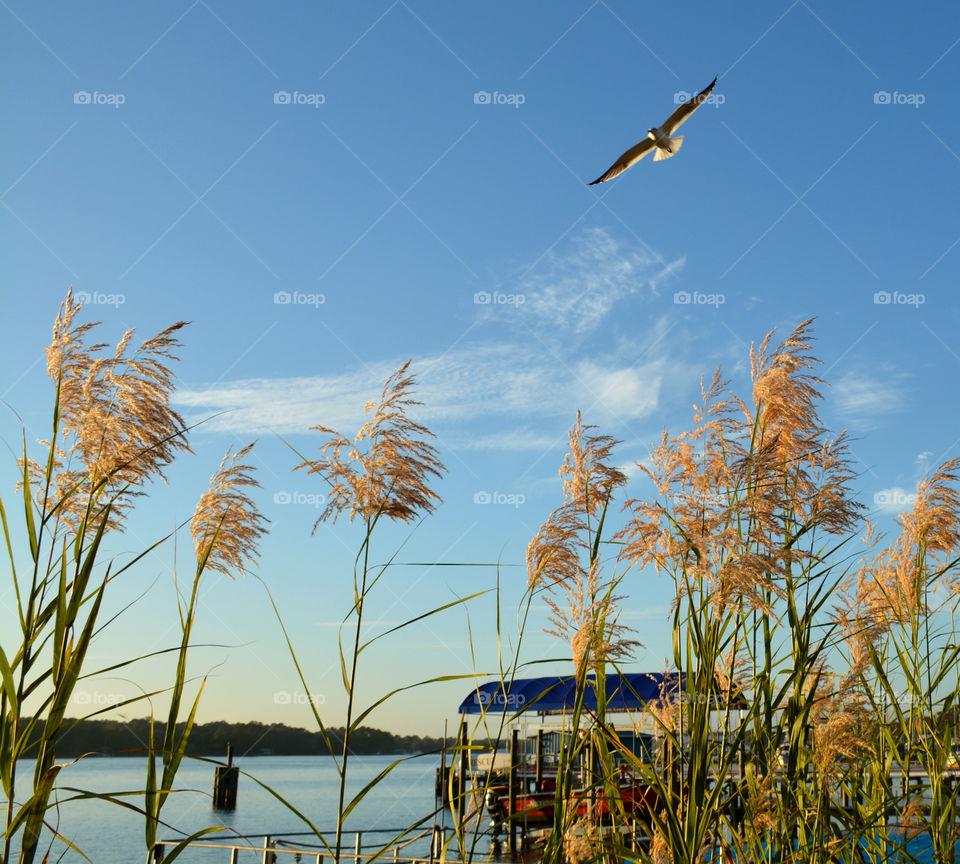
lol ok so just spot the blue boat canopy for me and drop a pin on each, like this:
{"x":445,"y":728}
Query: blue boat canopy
{"x":553,"y":695}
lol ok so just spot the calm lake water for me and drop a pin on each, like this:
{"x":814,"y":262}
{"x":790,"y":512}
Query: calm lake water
{"x":108,"y":833}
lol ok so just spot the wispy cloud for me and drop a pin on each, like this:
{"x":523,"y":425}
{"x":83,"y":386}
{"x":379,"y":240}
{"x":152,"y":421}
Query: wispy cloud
{"x":517,"y":391}
{"x":517,"y":439}
{"x":474,"y":383}
{"x":866,"y":397}
{"x":575,"y":289}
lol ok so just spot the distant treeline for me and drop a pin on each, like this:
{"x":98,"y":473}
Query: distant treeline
{"x":129,"y":738}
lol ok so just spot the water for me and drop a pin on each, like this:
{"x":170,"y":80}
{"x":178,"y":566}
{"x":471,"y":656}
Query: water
{"x":109,"y":833}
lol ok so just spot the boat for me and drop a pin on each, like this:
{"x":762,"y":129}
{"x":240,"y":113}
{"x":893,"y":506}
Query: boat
{"x":519,"y":782}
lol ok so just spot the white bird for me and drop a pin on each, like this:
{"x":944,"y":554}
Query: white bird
{"x":660,"y":139}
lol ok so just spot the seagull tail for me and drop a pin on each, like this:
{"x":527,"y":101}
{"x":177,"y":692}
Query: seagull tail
{"x":675,"y":145}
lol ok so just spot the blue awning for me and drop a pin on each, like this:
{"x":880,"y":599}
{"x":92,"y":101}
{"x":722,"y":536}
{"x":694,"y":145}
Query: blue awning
{"x":553,"y":695}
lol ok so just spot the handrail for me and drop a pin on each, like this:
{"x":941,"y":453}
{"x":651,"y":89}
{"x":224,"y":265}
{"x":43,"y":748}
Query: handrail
{"x":272,"y":845}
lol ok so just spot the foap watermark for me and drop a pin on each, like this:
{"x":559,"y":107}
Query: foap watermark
{"x":698,"y":298}
{"x":298,"y":298}
{"x":96,"y":699}
{"x":513,"y":499}
{"x":304,"y":499}
{"x":485,"y":97}
{"x":498,"y":298}
{"x":285,"y":697}
{"x":714,"y":99}
{"x":898,"y":298}
{"x":890,"y":499}
{"x":885,"y":97}
{"x":98,"y":298}
{"x":498,"y":698}
{"x":285,"y":97}
{"x":85,"y":97}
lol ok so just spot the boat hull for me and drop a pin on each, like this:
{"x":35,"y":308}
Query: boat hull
{"x":538,"y":807}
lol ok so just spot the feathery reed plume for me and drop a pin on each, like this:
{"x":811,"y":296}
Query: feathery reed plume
{"x":840,"y":718}
{"x":745,"y":479}
{"x":383,"y":472}
{"x":935,"y":520}
{"x":390,"y":476}
{"x":697,"y":528}
{"x":912,"y":819}
{"x":863,"y":610}
{"x":731,"y":673}
{"x":761,"y":804}
{"x":800,"y":477}
{"x":227,"y":525}
{"x":736,"y":495}
{"x":588,"y":618}
{"x":115,"y":417}
{"x":660,"y":851}
{"x":665,"y":709}
{"x":560,"y":557}
{"x":786,"y":393}
{"x":581,"y":838}
{"x":893,"y":585}
{"x":588,"y":480}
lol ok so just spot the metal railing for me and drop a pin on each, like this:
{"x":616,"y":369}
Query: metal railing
{"x":270,"y":847}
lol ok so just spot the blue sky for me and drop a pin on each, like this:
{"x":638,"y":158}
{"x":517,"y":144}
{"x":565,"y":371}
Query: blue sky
{"x":411,"y":178}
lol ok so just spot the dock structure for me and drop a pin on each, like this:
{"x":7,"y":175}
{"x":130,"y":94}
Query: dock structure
{"x":428,"y":844}
{"x":275,"y":849}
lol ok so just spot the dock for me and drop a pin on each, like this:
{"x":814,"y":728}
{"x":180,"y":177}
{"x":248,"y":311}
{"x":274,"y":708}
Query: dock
{"x":276,"y":848}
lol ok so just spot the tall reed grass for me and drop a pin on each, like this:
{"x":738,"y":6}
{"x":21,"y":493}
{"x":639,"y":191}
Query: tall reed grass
{"x":384,"y":472}
{"x":816,"y":673}
{"x":807,"y":674}
{"x":113,"y":432}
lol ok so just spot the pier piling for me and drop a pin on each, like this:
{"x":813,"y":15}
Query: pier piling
{"x":436,"y":844}
{"x":514,"y":771}
{"x":464,"y":767}
{"x":225,"y":784}
{"x":539,"y":776}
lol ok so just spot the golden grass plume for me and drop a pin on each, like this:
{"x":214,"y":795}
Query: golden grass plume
{"x":748,"y":477}
{"x":583,"y":608}
{"x":226,"y":525}
{"x":386,"y":468}
{"x":117,"y":429}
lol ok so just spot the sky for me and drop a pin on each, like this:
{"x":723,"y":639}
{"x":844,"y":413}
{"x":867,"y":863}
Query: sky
{"x":325,"y":191}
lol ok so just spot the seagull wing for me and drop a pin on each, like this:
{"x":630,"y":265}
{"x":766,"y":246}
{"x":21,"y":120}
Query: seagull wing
{"x":677,"y":118}
{"x":632,"y":156}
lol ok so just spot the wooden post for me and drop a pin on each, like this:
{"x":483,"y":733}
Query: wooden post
{"x":225,"y":784}
{"x":741,"y":799}
{"x":539,"y":759}
{"x":267,"y":855}
{"x":464,"y":762}
{"x":234,"y":855}
{"x":436,"y":844}
{"x":357,"y":845}
{"x":514,"y":769}
{"x":441,"y":790}
{"x":157,"y":854}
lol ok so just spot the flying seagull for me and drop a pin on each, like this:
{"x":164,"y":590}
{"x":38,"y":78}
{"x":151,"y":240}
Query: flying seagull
{"x":660,"y":139}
